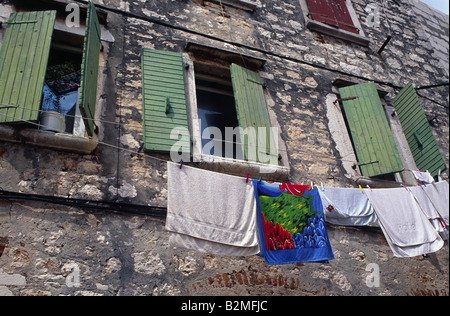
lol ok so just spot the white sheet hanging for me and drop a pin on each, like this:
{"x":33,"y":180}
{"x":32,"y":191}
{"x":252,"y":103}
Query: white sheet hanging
{"x":347,"y":207}
{"x":438,"y":193}
{"x":211,"y":212}
{"x":405,"y":226}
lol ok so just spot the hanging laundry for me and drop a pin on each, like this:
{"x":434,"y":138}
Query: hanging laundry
{"x":291,"y":225}
{"x":438,"y":193}
{"x":347,"y":207}
{"x":423,"y":176}
{"x":211,"y":212}
{"x":405,"y":226}
{"x":428,"y":207}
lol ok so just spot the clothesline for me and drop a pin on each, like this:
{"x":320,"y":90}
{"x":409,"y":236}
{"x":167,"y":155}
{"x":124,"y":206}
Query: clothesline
{"x":291,"y":218}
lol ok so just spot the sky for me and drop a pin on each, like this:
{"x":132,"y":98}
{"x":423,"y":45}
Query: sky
{"x":441,"y":5}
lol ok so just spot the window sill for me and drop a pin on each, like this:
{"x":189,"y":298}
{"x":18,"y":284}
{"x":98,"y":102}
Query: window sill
{"x":241,"y":168}
{"x":247,"y":5}
{"x":46,"y":139}
{"x":341,"y":34}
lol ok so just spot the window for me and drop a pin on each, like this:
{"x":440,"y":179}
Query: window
{"x":384,"y":139}
{"x":217,"y":113}
{"x":370,"y":132}
{"x":334,"y":17}
{"x":248,"y":5}
{"x":220,"y":103}
{"x":44,"y":71}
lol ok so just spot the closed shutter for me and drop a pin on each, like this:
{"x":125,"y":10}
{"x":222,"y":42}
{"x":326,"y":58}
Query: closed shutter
{"x":418,"y":132}
{"x":23,"y":64}
{"x":321,"y":11}
{"x":252,"y":111}
{"x":370,"y":132}
{"x":343,"y":18}
{"x":164,"y":99}
{"x":332,"y":12}
{"x":89,"y":69}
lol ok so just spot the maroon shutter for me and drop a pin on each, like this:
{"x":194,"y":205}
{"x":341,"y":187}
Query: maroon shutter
{"x":332,"y":12}
{"x":343,"y":17}
{"x":321,"y":11}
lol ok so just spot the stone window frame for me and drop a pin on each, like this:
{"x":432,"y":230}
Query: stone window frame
{"x":247,"y":5}
{"x":63,"y":141}
{"x":223,"y":164}
{"x":323,"y":28}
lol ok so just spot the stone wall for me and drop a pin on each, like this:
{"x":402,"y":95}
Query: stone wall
{"x":46,"y":247}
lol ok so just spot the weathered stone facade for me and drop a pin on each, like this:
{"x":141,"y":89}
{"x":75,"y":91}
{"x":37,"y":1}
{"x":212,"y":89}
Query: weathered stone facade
{"x":46,"y":247}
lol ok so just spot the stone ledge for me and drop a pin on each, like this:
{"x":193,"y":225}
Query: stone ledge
{"x":46,"y":139}
{"x":341,"y":34}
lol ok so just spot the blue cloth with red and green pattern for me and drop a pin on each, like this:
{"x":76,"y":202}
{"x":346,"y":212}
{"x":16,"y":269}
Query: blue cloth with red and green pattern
{"x":291,"y":224}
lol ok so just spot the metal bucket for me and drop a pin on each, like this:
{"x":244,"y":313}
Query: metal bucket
{"x":53,"y":121}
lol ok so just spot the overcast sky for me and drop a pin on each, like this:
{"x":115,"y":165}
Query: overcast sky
{"x":441,"y":5}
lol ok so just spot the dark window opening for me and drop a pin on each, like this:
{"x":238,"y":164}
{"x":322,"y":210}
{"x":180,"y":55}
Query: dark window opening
{"x":217,"y":112}
{"x":62,"y":82}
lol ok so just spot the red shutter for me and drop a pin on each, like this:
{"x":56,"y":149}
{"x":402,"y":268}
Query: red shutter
{"x":343,"y":17}
{"x":332,"y":12}
{"x":321,"y":11}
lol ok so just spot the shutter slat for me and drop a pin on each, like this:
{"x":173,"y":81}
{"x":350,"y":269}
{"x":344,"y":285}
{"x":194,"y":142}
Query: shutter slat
{"x":158,"y":84}
{"x":371,"y":135}
{"x":332,"y":12}
{"x":23,"y":64}
{"x":89,"y":69}
{"x":252,"y":111}
{"x":413,"y":120}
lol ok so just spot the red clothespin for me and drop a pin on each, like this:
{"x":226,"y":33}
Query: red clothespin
{"x":181,"y":163}
{"x":246,"y":180}
{"x":369,"y":188}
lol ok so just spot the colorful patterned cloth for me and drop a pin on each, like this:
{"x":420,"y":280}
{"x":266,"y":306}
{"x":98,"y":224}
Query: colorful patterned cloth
{"x":291,"y":224}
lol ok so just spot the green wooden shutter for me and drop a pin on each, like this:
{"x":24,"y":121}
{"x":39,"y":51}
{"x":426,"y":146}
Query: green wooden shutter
{"x":164,"y":100}
{"x":252,"y":111}
{"x":89,"y":69}
{"x":23,"y":64}
{"x":370,"y":131}
{"x":418,"y":132}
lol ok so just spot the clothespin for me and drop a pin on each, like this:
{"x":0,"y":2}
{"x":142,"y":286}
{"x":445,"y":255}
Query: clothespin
{"x":360,"y":187}
{"x":246,"y":180}
{"x":260,"y":179}
{"x":369,"y":188}
{"x":181,"y":163}
{"x":321,"y":185}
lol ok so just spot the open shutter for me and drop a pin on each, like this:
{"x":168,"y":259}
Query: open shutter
{"x":23,"y":64}
{"x":371,"y":135}
{"x":164,"y":100}
{"x":418,"y":132}
{"x":252,"y":111}
{"x":89,"y":69}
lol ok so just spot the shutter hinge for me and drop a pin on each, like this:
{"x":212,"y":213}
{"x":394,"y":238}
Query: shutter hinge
{"x":254,"y":81}
{"x":365,"y":163}
{"x":18,"y":22}
{"x":345,"y":99}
